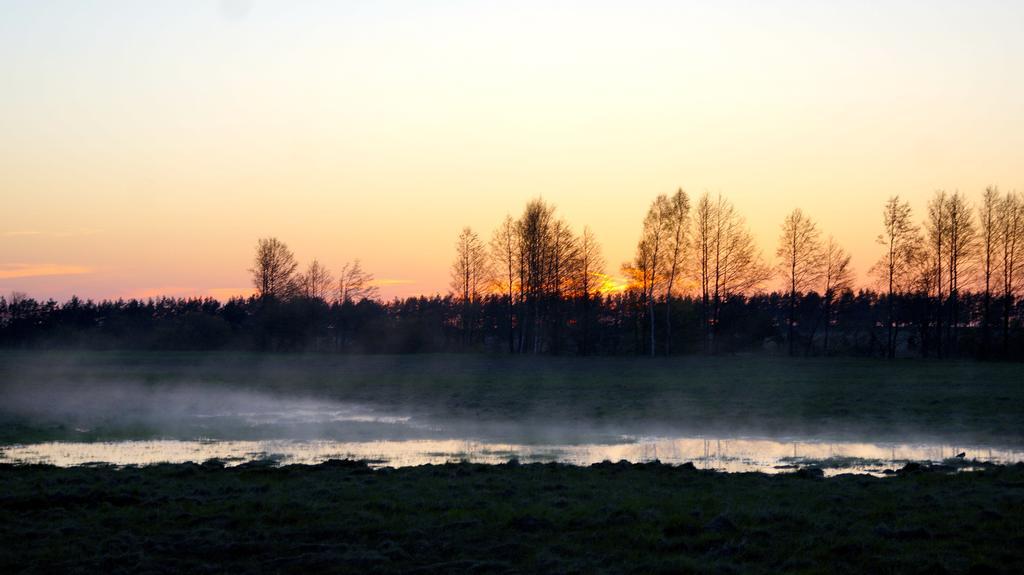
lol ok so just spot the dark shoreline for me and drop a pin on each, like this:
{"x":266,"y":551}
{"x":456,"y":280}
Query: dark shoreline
{"x":342,"y":516}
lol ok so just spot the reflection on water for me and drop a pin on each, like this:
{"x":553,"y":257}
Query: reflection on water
{"x":238,"y":426}
{"x":734,"y":455}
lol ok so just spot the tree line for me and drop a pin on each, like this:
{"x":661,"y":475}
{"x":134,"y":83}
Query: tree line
{"x":701,"y":254}
{"x":947,"y":286}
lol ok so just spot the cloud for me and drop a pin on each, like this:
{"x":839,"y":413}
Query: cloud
{"x":12,"y":271}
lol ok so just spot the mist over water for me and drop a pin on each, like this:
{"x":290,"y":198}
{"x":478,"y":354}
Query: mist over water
{"x":135,"y":424}
{"x":187,"y":412}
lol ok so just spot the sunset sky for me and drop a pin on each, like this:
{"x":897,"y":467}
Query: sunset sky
{"x":146,"y":146}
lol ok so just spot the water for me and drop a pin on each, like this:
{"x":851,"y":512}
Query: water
{"x":731,"y":454}
{"x":246,"y":428}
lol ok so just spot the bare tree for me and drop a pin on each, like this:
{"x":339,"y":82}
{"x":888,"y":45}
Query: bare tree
{"x":273,"y":271}
{"x":838,"y":279}
{"x":354,"y":284}
{"x":562,"y":259}
{"x":800,"y":255}
{"x":961,"y":252}
{"x":317,"y":282}
{"x":470,"y":269}
{"x":589,"y":267}
{"x":469,"y":275}
{"x":703,"y":240}
{"x":545,"y":252}
{"x":503,"y":257}
{"x":534,"y":233}
{"x":897,"y":266}
{"x":651,"y":255}
{"x":937,"y":242}
{"x":1011,"y":256}
{"x":677,"y":215}
{"x":988,"y":216}
{"x":728,"y":262}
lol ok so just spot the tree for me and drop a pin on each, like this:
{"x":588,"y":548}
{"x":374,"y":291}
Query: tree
{"x":534,"y":234}
{"x":937,"y":240}
{"x":800,"y":255}
{"x":677,"y":216}
{"x":650,"y":255}
{"x":838,"y":279}
{"x":1011,"y":256}
{"x":546,"y":249}
{"x":562,"y":262}
{"x":469,"y":274}
{"x":961,"y":252}
{"x":704,"y":239}
{"x":897,"y":266}
{"x":589,"y":267}
{"x":989,"y":219}
{"x":317,"y":282}
{"x":355,"y":285}
{"x":503,"y":256}
{"x":728,"y":262}
{"x":273,"y":271}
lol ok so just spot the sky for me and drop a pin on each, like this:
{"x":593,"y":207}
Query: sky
{"x":146,"y":146}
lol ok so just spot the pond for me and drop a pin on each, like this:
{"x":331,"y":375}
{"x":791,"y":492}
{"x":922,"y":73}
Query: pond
{"x":728,"y":454}
{"x":179,"y":425}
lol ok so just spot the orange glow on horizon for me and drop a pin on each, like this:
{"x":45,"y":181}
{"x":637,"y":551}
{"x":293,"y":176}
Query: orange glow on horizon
{"x":377,"y":132}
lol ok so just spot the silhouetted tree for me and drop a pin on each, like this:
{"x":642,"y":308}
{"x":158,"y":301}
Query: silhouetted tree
{"x":1011,"y":256}
{"x":937,"y":242}
{"x":317,"y":282}
{"x":988,"y":216}
{"x":896,"y":269}
{"x":728,"y":262}
{"x":354,"y":284}
{"x":650,"y":259}
{"x":800,"y":259}
{"x":546,"y":249}
{"x":273,"y":271}
{"x":469,"y":275}
{"x":504,"y":259}
{"x":838,"y":279}
{"x":562,"y":261}
{"x":961,"y":252}
{"x":677,"y":217}
{"x":589,"y":268}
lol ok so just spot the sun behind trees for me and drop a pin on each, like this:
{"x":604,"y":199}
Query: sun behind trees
{"x":947,"y":285}
{"x":701,"y":259}
{"x":545,"y":272}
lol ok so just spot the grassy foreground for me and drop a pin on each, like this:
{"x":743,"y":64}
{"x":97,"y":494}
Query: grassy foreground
{"x":826,"y":398}
{"x":645,"y":518}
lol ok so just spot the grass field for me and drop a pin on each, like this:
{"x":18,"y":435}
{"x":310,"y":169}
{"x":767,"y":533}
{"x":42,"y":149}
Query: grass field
{"x":953,"y":402}
{"x":343,"y":517}
{"x":647,"y":518}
